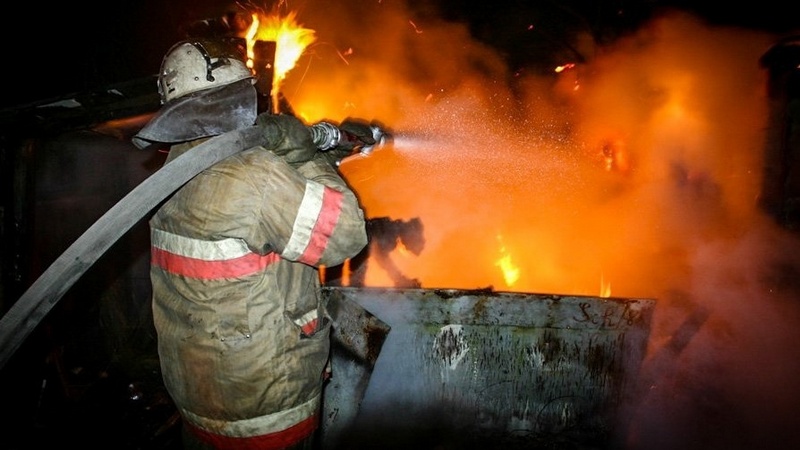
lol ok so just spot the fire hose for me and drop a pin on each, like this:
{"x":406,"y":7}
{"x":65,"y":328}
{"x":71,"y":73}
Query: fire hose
{"x":35,"y":303}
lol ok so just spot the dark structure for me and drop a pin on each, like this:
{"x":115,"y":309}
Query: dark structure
{"x":781,"y":188}
{"x":385,"y":235}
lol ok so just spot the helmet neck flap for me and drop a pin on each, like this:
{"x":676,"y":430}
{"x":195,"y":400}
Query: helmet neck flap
{"x":202,"y":114}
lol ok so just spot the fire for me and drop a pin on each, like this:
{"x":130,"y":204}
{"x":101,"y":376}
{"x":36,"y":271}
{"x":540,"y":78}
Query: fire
{"x":291,"y":40}
{"x":509,"y":269}
{"x":401,"y":248}
{"x":605,"y":287}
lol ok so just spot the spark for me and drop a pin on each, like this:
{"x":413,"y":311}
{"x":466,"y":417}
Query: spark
{"x":347,"y":52}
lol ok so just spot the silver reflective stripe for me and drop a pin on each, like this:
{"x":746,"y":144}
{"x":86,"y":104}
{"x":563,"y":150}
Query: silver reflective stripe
{"x":305,"y":221}
{"x":257,"y":426}
{"x":197,"y":248}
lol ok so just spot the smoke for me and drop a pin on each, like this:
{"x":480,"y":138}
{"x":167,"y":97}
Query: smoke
{"x":640,"y":169}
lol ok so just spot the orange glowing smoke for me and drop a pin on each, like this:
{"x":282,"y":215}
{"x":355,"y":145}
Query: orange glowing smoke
{"x":617,"y":182}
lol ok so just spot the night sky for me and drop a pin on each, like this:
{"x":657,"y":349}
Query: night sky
{"x":69,"y":47}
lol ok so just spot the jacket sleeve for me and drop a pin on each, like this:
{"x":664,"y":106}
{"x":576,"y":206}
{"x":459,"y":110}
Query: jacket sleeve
{"x":309,"y":214}
{"x":349,"y":236}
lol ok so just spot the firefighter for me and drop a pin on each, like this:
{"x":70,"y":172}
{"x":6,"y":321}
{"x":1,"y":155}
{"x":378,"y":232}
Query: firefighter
{"x":243,"y":333}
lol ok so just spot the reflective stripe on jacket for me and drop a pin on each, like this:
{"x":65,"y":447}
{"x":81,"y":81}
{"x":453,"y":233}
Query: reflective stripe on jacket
{"x":243,"y":334}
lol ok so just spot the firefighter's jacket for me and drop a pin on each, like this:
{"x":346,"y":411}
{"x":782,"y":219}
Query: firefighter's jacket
{"x":243,"y":333}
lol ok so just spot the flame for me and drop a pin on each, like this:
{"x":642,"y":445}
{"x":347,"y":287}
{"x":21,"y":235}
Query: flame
{"x":605,"y":287}
{"x":579,"y":177}
{"x":291,"y":39}
{"x":402,"y":250}
{"x":345,"y":276}
{"x":509,"y":269}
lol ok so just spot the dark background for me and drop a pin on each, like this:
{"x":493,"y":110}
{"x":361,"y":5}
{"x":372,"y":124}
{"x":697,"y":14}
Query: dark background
{"x":66,"y":47}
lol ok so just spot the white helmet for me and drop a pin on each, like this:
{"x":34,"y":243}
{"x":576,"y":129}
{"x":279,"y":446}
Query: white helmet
{"x":195,"y":65}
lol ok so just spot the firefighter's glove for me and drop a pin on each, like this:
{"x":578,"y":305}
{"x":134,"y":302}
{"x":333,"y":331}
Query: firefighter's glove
{"x":360,"y":129}
{"x":288,"y":137}
{"x":359,"y":135}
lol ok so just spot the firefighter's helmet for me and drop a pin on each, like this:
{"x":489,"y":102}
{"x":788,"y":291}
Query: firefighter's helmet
{"x":195,"y":65}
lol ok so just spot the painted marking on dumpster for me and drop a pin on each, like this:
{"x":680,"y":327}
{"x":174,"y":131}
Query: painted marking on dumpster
{"x":450,"y":345}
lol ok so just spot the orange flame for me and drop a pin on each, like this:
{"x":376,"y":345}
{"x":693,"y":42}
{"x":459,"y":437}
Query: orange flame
{"x":401,"y":248}
{"x":291,"y":39}
{"x":509,"y":269}
{"x":605,"y":287}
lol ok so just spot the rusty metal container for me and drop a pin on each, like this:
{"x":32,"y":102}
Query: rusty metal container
{"x":484,"y":368}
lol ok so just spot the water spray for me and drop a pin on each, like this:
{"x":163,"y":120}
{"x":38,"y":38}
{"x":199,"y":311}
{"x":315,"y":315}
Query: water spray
{"x":326,"y":136}
{"x":408,"y":141}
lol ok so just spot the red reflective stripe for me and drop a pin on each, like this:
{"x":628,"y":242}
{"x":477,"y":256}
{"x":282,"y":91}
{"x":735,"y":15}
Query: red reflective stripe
{"x":273,"y":441}
{"x":323,"y":228}
{"x":209,"y":270}
{"x":310,"y":327}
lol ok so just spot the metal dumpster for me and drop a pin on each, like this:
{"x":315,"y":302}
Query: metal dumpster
{"x":498,"y":370}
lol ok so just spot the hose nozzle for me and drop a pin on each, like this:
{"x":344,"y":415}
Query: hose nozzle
{"x":381,"y":137}
{"x":326,"y":136}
